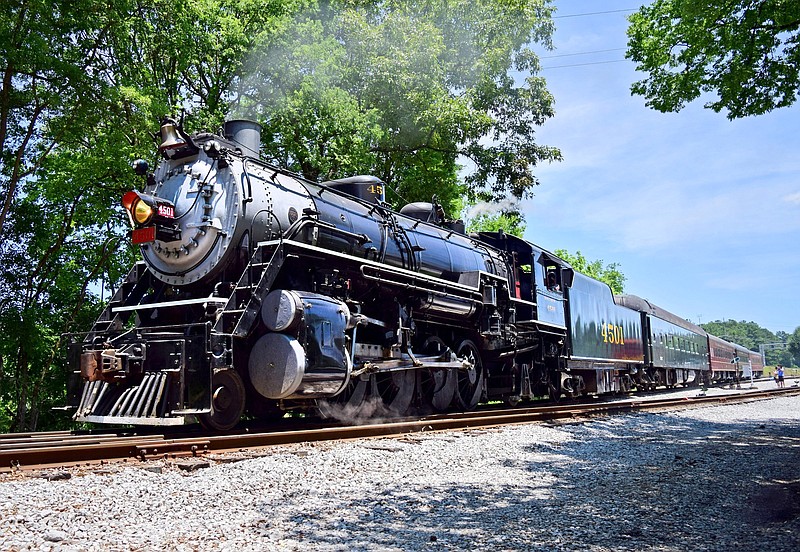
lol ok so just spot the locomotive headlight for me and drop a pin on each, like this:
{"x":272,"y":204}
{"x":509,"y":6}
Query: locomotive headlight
{"x":144,"y":208}
{"x":151,"y":217}
{"x":142,"y":213}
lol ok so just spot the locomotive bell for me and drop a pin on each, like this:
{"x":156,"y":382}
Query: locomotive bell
{"x":169,"y":133}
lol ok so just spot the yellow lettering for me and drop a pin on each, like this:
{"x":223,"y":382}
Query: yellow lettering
{"x":611,"y":333}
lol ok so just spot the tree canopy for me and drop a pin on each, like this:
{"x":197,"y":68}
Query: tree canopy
{"x":751,"y":335}
{"x":794,"y":346}
{"x":609,"y":274}
{"x":744,"y":52}
{"x":405,"y":91}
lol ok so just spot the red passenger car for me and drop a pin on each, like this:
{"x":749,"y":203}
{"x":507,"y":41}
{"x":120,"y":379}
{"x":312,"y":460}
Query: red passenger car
{"x":724,"y":365}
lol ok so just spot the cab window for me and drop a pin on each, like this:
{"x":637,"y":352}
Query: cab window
{"x":552,"y":280}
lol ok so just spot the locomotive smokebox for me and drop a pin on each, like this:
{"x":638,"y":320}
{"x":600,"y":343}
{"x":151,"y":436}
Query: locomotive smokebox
{"x":246,"y":134}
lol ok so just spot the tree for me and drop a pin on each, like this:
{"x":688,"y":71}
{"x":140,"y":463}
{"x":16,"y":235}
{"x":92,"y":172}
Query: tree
{"x":511,"y":223}
{"x":404,"y":90}
{"x":57,"y":145}
{"x":746,"y":334}
{"x":782,"y":357}
{"x":794,"y":345}
{"x":493,"y":216}
{"x":609,"y":274}
{"x":83,"y":83}
{"x":747,"y":52}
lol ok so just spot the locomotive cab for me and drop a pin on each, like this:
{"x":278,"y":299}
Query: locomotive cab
{"x":556,"y":278}
{"x":538,"y":279}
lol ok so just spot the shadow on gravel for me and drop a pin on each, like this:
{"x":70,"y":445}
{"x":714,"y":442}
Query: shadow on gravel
{"x":642,"y":482}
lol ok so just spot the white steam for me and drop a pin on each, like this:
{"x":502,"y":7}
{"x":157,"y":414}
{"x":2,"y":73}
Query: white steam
{"x":485,"y":208}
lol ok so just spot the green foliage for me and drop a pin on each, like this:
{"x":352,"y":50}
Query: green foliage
{"x":492,"y":217}
{"x":609,"y":274}
{"x":510,"y":223}
{"x":402,"y":90}
{"x":57,"y":125}
{"x":746,"y":334}
{"x":751,"y":335}
{"x":747,"y":52}
{"x":83,"y":84}
{"x":783,"y":357}
{"x":794,"y":347}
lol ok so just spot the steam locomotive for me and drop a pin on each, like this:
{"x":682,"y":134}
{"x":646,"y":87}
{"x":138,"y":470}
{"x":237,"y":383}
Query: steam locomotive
{"x":260,"y":291}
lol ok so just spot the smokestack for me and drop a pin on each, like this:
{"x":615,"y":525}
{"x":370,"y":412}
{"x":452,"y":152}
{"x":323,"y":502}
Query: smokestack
{"x":245,"y":134}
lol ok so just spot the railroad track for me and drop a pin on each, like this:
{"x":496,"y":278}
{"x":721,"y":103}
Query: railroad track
{"x":40,"y":450}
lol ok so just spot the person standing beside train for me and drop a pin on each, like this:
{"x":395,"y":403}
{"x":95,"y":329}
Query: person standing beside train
{"x":779,"y":376}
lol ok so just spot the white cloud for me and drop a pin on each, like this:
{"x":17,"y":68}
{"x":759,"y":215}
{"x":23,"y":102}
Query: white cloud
{"x":793,"y":198}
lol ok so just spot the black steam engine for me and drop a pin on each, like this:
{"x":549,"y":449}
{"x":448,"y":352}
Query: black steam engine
{"x":260,"y":292}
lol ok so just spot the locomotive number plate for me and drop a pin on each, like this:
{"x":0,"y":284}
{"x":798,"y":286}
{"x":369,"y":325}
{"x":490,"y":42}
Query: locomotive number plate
{"x":166,"y":211}
{"x":144,"y":235}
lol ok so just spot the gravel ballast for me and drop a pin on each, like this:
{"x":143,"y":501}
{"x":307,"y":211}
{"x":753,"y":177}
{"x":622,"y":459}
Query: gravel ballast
{"x":712,"y":478}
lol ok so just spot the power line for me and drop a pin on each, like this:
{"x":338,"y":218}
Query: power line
{"x":582,"y":53}
{"x":584,"y":64}
{"x":593,"y":13}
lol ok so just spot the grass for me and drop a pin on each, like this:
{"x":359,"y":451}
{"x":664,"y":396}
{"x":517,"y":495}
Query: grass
{"x":787,"y":372}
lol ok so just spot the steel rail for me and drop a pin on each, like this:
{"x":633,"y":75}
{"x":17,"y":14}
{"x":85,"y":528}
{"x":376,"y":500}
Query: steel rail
{"x":59,"y":449}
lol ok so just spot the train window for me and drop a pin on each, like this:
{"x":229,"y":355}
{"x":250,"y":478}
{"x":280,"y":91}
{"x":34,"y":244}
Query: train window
{"x":551,"y":278}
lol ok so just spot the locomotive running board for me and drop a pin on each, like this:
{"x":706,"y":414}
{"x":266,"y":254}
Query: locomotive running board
{"x":165,"y":304}
{"x":181,"y":420}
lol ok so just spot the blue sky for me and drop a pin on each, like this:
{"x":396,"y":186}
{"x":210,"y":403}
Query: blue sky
{"x":701,"y":213}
